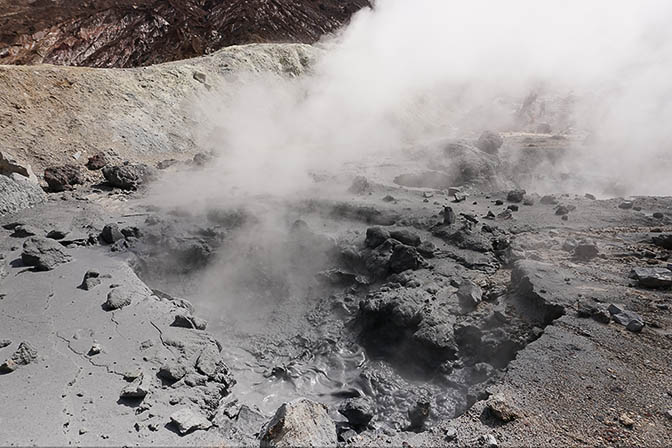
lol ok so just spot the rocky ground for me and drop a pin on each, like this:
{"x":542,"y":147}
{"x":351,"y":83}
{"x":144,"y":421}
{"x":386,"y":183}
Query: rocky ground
{"x":425,"y":300}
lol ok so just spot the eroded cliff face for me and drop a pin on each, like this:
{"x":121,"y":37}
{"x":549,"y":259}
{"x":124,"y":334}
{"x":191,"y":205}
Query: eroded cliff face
{"x":131,"y":33}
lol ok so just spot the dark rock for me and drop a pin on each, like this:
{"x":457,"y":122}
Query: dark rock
{"x":57,"y":234}
{"x":625,"y":205}
{"x":418,"y":415}
{"x":562,"y":210}
{"x":165,"y":164}
{"x":405,"y":257}
{"x":186,"y":421}
{"x":25,"y":230}
{"x":128,"y":176}
{"x":658,"y":215}
{"x":301,"y":422}
{"x":131,"y":232}
{"x":375,"y":236}
{"x":388,"y":198}
{"x":360,"y":185}
{"x":406,"y":236}
{"x":44,"y":254}
{"x":489,"y":142}
{"x":358,"y":411}
{"x":61,"y":178}
{"x":186,"y":321}
{"x":549,"y":200}
{"x":96,"y":161}
{"x":515,"y":196}
{"x":5,"y":343}
{"x":111,"y":234}
{"x":664,"y":241}
{"x":590,"y":196}
{"x":653,"y":277}
{"x":469,"y":294}
{"x":631,"y":320}
{"x":513,"y":207}
{"x":586,"y":250}
{"x":449,"y":216}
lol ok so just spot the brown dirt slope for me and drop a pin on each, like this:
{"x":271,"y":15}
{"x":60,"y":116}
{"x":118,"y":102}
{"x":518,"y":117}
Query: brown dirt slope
{"x":132,"y":33}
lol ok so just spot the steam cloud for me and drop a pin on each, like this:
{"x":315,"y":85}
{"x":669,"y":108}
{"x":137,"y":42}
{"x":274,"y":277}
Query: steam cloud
{"x":405,"y":72}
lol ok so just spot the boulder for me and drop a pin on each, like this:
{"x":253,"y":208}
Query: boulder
{"x":515,"y":196}
{"x":301,"y":422}
{"x":64,"y":177}
{"x":111,"y":234}
{"x":586,"y":250}
{"x":120,"y":297}
{"x":43,"y":253}
{"x":96,"y":161}
{"x":406,"y":236}
{"x":10,"y":164}
{"x":128,"y":176}
{"x":375,"y":236}
{"x":405,"y":257}
{"x":358,"y":411}
{"x":18,"y":193}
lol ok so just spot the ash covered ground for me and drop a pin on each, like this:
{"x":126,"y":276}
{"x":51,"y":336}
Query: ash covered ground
{"x":230,"y":251}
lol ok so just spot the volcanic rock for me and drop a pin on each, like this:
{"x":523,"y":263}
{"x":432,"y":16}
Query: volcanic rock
{"x":65,"y":177}
{"x":652,"y":277}
{"x":128,"y":176}
{"x":57,"y":234}
{"x":469,"y":294}
{"x":625,"y":205}
{"x":406,"y":236}
{"x":25,"y":230}
{"x":515,"y":196}
{"x":120,"y":297}
{"x":17,"y":193}
{"x":111,"y":234}
{"x":91,"y":280}
{"x":405,"y":257}
{"x":375,"y":236}
{"x":186,"y":321}
{"x":358,"y":411}
{"x":186,"y":421}
{"x":44,"y":254}
{"x":96,"y":161}
{"x":418,"y":415}
{"x":449,"y":216}
{"x":24,"y":355}
{"x":664,"y":241}
{"x":301,"y":422}
{"x":499,"y":408}
{"x":489,"y":142}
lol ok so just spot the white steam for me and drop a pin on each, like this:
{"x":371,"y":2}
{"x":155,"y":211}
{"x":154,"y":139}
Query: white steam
{"x":410,"y":71}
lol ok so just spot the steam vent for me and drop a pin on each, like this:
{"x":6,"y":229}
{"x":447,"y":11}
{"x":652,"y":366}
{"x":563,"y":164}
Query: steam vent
{"x":322,"y":223}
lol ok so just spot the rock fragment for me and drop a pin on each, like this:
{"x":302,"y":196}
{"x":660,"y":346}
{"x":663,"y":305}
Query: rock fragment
{"x":136,"y":390}
{"x":187,"y":321}
{"x":449,"y":216}
{"x":120,"y":297}
{"x":65,"y":177}
{"x":652,"y":277}
{"x":301,"y":422}
{"x":586,"y":250}
{"x":186,"y":421}
{"x":406,"y":236}
{"x":96,"y":161}
{"x":499,"y":408}
{"x":418,"y":415}
{"x":631,"y":320}
{"x":358,"y":411}
{"x":375,"y":236}
{"x":24,"y":355}
{"x":44,"y":254}
{"x":515,"y":196}
{"x":403,"y":258}
{"x":11,"y":165}
{"x":91,"y":280}
{"x":111,"y":234}
{"x":128,"y":176}
{"x":469,"y":294}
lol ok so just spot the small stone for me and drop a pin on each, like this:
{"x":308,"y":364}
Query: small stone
{"x":528,"y":201}
{"x":403,"y":258}
{"x":450,"y":434}
{"x":200,"y":77}
{"x":418,"y":415}
{"x":499,"y":408}
{"x":187,"y":421}
{"x":590,"y":196}
{"x":586,"y":250}
{"x":388,"y":198}
{"x":625,"y":205}
{"x":8,"y":367}
{"x":452,"y":191}
{"x":626,"y":420}
{"x":658,"y":215}
{"x":562,"y":210}
{"x":95,"y":349}
{"x":83,"y":431}
{"x":91,"y":280}
{"x":513,"y":207}
{"x":96,"y":162}
{"x":652,"y":277}
{"x":57,"y":234}
{"x":135,"y":390}
{"x":549,"y":200}
{"x":119,"y":297}
{"x":668,"y":414}
{"x":24,"y":231}
{"x":488,"y":441}
{"x":5,"y":343}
